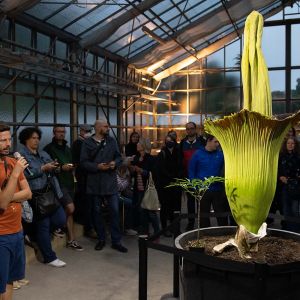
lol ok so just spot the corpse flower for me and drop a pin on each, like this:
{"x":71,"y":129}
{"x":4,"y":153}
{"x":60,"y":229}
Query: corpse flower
{"x":251,"y":141}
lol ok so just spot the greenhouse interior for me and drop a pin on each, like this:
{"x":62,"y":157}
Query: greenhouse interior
{"x":149,"y":91}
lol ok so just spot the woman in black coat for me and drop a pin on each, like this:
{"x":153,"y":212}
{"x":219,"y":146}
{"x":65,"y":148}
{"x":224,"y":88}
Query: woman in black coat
{"x":289,"y":179}
{"x":168,"y":169}
{"x":131,"y":147}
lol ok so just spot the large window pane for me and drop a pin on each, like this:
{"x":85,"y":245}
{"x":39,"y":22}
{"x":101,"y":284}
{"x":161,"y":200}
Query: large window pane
{"x":232,"y":55}
{"x":295,"y":45}
{"x":46,"y":110}
{"x":181,"y":100}
{"x":195,"y":102}
{"x":295,"y":106}
{"x":90,"y":114}
{"x":232,"y":79}
{"x":23,"y":36}
{"x":61,"y":49}
{"x":179,"y":83}
{"x":24,"y":105}
{"x":215,"y":79}
{"x":214,"y":101}
{"x":295,"y":84}
{"x":178,"y":120}
{"x":62,"y":112}
{"x":43,"y":42}
{"x":277,"y":83}
{"x":291,"y":12}
{"x":162,"y":120}
{"x":278,"y":107}
{"x":232,"y":101}
{"x":6,"y":108}
{"x":272,"y":36}
{"x":195,"y":81}
{"x":216,"y":60}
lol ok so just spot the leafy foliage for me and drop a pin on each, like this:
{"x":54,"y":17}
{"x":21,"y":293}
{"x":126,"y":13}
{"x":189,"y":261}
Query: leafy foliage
{"x":195,"y":187}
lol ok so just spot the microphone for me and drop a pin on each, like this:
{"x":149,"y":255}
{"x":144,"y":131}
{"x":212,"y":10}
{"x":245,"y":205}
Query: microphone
{"x":17,"y":156}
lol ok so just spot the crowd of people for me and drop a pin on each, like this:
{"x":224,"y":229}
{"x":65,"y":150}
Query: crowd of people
{"x":92,"y":179}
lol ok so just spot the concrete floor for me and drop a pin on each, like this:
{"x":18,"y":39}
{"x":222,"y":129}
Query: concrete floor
{"x":101,"y":275}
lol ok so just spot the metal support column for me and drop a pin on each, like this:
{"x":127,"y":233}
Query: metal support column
{"x":176,"y":258}
{"x":143,"y":267}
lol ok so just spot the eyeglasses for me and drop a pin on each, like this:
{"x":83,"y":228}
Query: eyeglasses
{"x":190,"y":128}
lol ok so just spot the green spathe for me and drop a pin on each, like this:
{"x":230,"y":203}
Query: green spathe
{"x":251,"y":144}
{"x":251,"y":141}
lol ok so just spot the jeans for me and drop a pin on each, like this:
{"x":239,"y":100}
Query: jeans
{"x":43,"y":232}
{"x":113,"y":205}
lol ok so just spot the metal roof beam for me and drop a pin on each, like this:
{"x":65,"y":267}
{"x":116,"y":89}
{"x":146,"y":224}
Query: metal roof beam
{"x":110,"y":28}
{"x":64,"y":36}
{"x":13,"y":7}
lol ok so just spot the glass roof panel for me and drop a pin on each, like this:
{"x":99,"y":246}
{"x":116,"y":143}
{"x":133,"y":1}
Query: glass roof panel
{"x":69,"y":14}
{"x":41,"y":11}
{"x":171,"y":13}
{"x":126,"y":29}
{"x":126,"y":41}
{"x":158,"y":8}
{"x":132,"y":53}
{"x":203,"y":9}
{"x":88,"y":22}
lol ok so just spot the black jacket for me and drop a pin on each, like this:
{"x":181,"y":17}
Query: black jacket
{"x":100,"y":182}
{"x":167,"y":166}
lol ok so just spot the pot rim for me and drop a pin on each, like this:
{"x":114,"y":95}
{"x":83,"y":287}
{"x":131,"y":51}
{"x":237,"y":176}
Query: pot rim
{"x":177,"y":243}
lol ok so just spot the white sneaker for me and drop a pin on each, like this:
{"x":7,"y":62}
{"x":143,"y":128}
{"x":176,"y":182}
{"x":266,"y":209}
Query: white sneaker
{"x":130,"y":232}
{"x":57,"y":263}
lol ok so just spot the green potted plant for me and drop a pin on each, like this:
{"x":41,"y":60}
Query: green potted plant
{"x":197,"y":188}
{"x":251,"y":141}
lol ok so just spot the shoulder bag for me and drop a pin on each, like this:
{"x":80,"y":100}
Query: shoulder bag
{"x":44,"y":202}
{"x":150,"y":200}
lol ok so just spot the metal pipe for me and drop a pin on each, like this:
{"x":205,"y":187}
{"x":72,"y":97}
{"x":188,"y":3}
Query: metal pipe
{"x":143,"y":267}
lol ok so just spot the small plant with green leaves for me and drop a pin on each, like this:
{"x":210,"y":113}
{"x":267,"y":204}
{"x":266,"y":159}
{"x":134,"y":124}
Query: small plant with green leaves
{"x":197,"y":188}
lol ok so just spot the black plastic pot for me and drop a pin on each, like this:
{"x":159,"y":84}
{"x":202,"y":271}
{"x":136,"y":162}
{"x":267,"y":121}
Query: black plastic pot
{"x":215,"y":278}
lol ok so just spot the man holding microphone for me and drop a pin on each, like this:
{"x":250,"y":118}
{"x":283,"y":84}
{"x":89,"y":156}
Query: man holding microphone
{"x":14,"y":189}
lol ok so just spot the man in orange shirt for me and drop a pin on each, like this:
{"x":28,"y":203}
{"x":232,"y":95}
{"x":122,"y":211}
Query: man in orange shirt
{"x":14,"y":189}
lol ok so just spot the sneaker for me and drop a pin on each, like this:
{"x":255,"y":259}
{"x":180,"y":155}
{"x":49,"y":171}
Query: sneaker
{"x":74,"y":245}
{"x":119,"y":248}
{"x":57,"y":263}
{"x":59,"y":233}
{"x":130,"y":232}
{"x":23,"y":282}
{"x":16,"y":285}
{"x":100,"y":245}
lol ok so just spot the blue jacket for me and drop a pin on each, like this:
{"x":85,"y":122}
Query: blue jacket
{"x":38,"y":180}
{"x":100,"y":183}
{"x":205,"y":164}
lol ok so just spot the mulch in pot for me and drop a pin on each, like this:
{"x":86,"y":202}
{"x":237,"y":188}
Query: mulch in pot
{"x":271,"y":250}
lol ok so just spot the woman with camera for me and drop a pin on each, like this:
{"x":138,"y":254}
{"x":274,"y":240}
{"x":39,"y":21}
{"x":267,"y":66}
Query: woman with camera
{"x":42,"y":180}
